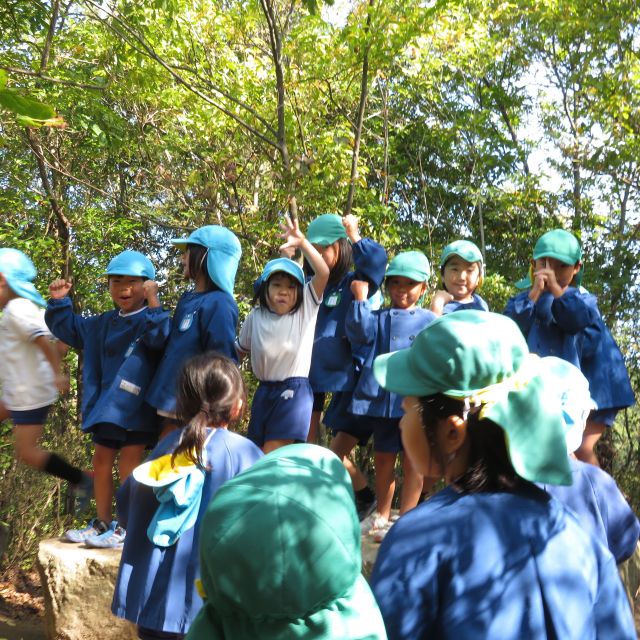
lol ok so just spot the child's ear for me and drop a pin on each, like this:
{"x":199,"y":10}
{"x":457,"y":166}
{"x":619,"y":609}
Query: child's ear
{"x":453,"y":434}
{"x":236,"y":410}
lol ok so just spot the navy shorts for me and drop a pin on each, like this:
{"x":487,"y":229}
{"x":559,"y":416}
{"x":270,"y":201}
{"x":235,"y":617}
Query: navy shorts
{"x":32,"y":416}
{"x":281,"y":411}
{"x":318,"y":400}
{"x":385,"y":432}
{"x":337,"y":416}
{"x":603,"y":416}
{"x":112,"y":436}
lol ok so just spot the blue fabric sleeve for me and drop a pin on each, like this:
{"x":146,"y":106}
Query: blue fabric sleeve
{"x":157,"y":328}
{"x":574,"y":311}
{"x":361,"y":324}
{"x":521,"y":310}
{"x":218,"y":321}
{"x":123,"y":498}
{"x":67,"y":326}
{"x":611,"y":609}
{"x":370,"y":261}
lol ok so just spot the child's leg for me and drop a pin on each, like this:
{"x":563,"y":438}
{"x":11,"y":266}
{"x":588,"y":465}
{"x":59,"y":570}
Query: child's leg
{"x":103,"y":460}
{"x":342,"y":445}
{"x":385,"y":481}
{"x":272,"y":445}
{"x":592,"y":433}
{"x":4,"y":412}
{"x":130,"y":457}
{"x":314,"y":427}
{"x":411,"y":486}
{"x":27,"y":445}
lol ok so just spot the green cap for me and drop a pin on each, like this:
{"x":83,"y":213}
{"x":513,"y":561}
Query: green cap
{"x":410,"y":264}
{"x":561,"y":245}
{"x":326,"y":229}
{"x":287,"y":534}
{"x":466,"y":249}
{"x":483,"y":357}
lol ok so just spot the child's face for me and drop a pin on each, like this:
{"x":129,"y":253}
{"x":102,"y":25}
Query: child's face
{"x":5,"y":292}
{"x":127,"y":292}
{"x":330,"y":253}
{"x":460,"y":277}
{"x":414,"y":440}
{"x":184,"y":260}
{"x":564,"y":273}
{"x":282,"y":293}
{"x":404,"y":292}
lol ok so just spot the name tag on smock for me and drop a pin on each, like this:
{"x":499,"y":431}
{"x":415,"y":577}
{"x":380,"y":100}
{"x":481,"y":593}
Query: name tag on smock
{"x":186,"y":322}
{"x":333,"y":299}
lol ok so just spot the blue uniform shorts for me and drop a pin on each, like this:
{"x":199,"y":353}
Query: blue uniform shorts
{"x":281,"y":411}
{"x":385,"y":432}
{"x":603,"y":416}
{"x":32,"y":416}
{"x":337,"y":416}
{"x":114,"y":437}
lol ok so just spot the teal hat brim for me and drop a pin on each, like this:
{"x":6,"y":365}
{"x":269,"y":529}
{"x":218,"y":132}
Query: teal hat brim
{"x":325,"y":230}
{"x":412,"y":274}
{"x":464,"y":249}
{"x":393,"y":372}
{"x":25,"y":290}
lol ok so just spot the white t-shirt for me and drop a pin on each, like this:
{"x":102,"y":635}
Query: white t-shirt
{"x":281,"y":346}
{"x":28,"y":382}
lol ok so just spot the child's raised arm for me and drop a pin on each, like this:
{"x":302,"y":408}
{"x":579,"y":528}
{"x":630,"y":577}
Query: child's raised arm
{"x":59,"y":289}
{"x":295,"y":239}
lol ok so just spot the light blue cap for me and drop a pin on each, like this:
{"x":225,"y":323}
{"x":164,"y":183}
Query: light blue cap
{"x":223,"y":254}
{"x":131,"y":263}
{"x":19,"y":272}
{"x":282,"y":265}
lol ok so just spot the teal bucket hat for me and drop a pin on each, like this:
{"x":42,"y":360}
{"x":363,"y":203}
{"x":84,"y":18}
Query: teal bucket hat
{"x":560,"y":245}
{"x":131,"y":263}
{"x":19,"y":272}
{"x":280,"y":554}
{"x":483,"y":359}
{"x":465,"y":249}
{"x":410,"y":264}
{"x":282,"y":265}
{"x":326,"y":229}
{"x":223,"y":253}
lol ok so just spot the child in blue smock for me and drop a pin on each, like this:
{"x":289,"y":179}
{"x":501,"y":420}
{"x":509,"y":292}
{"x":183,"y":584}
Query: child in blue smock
{"x":332,"y":367}
{"x":492,"y":555}
{"x":462,"y":272}
{"x":375,"y":411}
{"x":206,"y":317}
{"x":560,"y":318}
{"x":163,"y":501}
{"x":31,"y":372}
{"x":593,"y":495}
{"x":278,"y":334}
{"x":119,"y":362}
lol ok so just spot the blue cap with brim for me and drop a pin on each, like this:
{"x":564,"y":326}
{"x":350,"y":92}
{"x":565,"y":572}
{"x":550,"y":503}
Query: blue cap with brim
{"x":19,"y":272}
{"x":131,"y":263}
{"x":223,"y":254}
{"x":326,"y":229}
{"x":280,"y":265}
{"x":482,"y":358}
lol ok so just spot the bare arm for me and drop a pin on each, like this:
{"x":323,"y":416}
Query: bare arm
{"x":50,"y":351}
{"x":295,"y":238}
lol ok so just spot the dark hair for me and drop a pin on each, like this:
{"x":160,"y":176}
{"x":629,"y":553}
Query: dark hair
{"x":342,"y":265}
{"x":261,"y":294}
{"x":490,"y":467}
{"x":208,"y":389}
{"x":198,"y":265}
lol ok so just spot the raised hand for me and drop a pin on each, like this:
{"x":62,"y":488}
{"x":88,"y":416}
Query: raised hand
{"x":292,"y":234}
{"x":59,"y":289}
{"x":350,"y":224}
{"x":360,"y":290}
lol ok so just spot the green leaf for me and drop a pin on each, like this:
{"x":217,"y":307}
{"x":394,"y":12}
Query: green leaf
{"x":3,"y":79}
{"x":9,"y":99}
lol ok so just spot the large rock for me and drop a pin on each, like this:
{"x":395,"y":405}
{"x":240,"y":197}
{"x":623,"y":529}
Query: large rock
{"x":78,"y":586}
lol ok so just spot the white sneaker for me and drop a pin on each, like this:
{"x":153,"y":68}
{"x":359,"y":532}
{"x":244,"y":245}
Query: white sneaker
{"x":372,"y":523}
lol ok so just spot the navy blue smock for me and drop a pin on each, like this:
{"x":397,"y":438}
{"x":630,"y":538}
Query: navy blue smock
{"x":201,"y":322}
{"x":332,"y":366}
{"x":375,"y":333}
{"x":571,"y":327}
{"x":156,"y":587}
{"x":478,"y":304}
{"x":497,"y":565}
{"x":120,"y":356}
{"x":595,"y":498}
